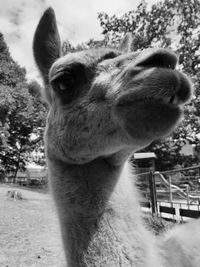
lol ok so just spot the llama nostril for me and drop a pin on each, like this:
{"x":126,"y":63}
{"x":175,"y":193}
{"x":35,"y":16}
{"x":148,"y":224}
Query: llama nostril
{"x":159,"y":58}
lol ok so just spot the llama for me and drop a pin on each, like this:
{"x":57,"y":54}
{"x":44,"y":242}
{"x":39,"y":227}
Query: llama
{"x":104,"y":104}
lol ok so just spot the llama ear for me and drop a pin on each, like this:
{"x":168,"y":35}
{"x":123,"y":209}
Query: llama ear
{"x":46,"y":43}
{"x":126,"y":43}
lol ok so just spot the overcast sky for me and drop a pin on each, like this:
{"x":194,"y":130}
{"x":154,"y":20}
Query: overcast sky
{"x":77,"y":22}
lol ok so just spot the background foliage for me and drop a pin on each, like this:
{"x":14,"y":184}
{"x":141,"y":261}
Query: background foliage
{"x":21,"y":114}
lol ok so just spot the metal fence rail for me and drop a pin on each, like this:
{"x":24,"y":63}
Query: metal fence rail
{"x":173,"y":194}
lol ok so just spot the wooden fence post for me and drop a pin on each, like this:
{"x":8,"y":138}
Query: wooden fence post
{"x":153,"y":197}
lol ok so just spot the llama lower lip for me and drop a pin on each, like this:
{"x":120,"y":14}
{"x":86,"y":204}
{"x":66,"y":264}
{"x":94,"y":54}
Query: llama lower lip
{"x":152,"y":119}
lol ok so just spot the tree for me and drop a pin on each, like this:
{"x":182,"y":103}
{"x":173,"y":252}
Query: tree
{"x":20,"y":113}
{"x":176,"y":25}
{"x":16,"y":126}
{"x":67,"y":47}
{"x":38,"y":120}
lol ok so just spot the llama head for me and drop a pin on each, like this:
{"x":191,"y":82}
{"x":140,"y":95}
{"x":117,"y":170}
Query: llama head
{"x":105,"y":101}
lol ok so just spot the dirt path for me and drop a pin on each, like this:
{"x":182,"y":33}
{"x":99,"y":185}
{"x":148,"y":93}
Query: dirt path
{"x":29,"y":231}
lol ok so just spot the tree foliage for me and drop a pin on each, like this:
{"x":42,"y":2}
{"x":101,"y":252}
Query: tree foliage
{"x":38,"y":120}
{"x":67,"y":47}
{"x":20,"y":113}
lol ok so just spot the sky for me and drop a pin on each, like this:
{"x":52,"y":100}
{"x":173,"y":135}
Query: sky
{"x":77,"y":22}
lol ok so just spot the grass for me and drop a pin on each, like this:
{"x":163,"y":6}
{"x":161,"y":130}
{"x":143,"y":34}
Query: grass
{"x":29,"y":230}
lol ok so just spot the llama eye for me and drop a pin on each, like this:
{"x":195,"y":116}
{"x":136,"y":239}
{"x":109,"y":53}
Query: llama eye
{"x":62,"y":86}
{"x":65,"y":82}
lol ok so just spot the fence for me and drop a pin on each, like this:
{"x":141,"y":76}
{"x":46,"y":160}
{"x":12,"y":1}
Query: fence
{"x":174,"y":194}
{"x":30,"y":177}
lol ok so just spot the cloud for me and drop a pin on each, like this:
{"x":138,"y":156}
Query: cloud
{"x":77,"y":22}
{"x":18,"y":19}
{"x":78,"y":19}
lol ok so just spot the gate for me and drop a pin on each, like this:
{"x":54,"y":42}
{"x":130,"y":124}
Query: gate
{"x":173,"y":195}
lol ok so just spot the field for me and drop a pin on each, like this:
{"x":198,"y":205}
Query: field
{"x":29,"y":231}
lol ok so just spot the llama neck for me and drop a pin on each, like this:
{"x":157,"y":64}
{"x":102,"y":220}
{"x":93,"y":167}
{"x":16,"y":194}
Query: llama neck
{"x":99,"y":214}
